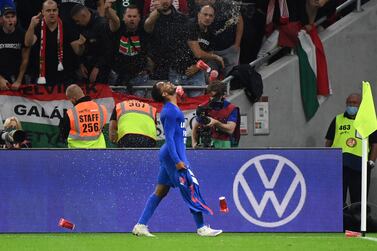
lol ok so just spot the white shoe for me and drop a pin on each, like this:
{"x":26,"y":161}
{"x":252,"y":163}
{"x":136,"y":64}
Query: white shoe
{"x":207,"y":231}
{"x":141,"y":230}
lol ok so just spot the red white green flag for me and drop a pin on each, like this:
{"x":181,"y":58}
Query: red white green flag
{"x":40,"y":108}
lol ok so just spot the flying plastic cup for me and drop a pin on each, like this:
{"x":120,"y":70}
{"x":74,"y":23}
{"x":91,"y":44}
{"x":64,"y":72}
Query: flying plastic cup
{"x":203,"y":66}
{"x":179,"y":90}
{"x":66,"y":224}
{"x":213,"y":75}
{"x":223,"y":206}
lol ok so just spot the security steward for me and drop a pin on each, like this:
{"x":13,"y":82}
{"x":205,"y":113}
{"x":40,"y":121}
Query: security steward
{"x":133,"y":124}
{"x":82,"y":125}
{"x":224,"y":119}
{"x":342,"y":134}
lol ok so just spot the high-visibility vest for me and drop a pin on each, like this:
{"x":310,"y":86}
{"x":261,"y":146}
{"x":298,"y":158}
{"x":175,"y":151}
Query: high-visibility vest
{"x":345,"y":136}
{"x":135,"y":117}
{"x":86,"y":121}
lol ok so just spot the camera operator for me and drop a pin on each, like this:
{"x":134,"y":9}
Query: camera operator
{"x":13,"y":137}
{"x":217,"y":121}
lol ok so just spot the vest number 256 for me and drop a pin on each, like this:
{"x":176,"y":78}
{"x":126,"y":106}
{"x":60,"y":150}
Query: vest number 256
{"x":90,"y":127}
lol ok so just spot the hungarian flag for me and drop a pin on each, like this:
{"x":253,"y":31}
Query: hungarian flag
{"x":40,"y":108}
{"x":314,"y":80}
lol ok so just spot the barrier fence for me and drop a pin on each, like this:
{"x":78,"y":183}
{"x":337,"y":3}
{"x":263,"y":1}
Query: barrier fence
{"x":267,"y":190}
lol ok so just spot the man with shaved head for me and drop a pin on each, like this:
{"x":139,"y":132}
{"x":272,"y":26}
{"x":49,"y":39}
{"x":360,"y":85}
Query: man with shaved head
{"x":96,"y":53}
{"x":342,"y":134}
{"x":52,"y":54}
{"x":82,"y":125}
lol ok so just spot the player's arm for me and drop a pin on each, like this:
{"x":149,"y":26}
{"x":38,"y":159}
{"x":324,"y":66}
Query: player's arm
{"x":169,"y":129}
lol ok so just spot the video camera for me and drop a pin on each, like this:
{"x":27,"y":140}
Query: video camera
{"x":9,"y":138}
{"x":216,"y":103}
{"x":202,"y":112}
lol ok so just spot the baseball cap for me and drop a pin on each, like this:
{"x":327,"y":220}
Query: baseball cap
{"x":7,"y":9}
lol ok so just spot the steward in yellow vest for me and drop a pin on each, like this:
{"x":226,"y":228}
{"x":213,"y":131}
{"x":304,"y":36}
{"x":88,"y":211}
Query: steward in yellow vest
{"x":133,"y":124}
{"x":342,"y":134}
{"x":82,"y":125}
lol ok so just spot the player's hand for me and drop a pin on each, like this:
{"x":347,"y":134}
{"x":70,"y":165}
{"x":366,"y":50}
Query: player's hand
{"x":93,"y":74}
{"x":180,"y":165}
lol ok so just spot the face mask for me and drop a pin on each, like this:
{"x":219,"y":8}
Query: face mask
{"x":352,"y":110}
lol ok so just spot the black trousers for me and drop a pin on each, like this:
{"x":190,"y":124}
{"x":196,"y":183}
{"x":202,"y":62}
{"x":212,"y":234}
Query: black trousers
{"x":136,"y":140}
{"x":352,"y":183}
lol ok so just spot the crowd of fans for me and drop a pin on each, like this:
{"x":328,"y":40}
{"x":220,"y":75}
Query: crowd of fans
{"x":135,"y":42}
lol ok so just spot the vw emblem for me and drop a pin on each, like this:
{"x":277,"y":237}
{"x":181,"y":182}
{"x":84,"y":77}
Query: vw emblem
{"x":242,"y":183}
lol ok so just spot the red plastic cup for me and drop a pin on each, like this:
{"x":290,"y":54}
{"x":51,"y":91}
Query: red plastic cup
{"x":213,"y":75}
{"x":352,"y":234}
{"x":203,"y":66}
{"x":66,"y":224}
{"x":223,"y":206}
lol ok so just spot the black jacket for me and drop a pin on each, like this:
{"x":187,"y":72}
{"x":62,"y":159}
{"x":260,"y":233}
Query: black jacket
{"x":98,"y":47}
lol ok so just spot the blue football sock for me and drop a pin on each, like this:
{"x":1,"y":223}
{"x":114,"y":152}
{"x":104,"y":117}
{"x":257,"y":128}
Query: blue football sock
{"x":198,"y":218}
{"x":151,"y":205}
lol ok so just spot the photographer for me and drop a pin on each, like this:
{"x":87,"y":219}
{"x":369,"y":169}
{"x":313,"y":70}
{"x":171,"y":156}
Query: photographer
{"x":13,"y":137}
{"x":218,"y":121}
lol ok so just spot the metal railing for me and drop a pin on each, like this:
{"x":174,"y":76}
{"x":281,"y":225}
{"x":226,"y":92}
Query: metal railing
{"x":258,"y":61}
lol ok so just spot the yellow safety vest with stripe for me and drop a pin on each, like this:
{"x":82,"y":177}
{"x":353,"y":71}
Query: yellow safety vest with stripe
{"x":345,"y":136}
{"x":86,"y":122}
{"x":135,"y":117}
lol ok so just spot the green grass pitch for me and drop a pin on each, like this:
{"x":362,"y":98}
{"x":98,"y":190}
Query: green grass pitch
{"x":185,"y":241}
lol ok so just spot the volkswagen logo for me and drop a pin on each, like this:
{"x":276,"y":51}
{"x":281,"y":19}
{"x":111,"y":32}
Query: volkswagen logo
{"x":246,"y":185}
